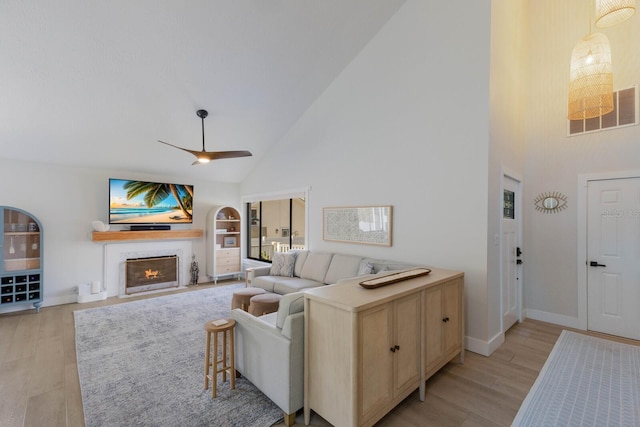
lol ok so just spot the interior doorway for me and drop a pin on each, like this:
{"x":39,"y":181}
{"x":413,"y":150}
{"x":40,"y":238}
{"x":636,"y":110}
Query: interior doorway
{"x":612,"y":256}
{"x":510,"y":251}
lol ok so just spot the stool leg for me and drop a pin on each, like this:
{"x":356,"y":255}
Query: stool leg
{"x":232,"y":363}
{"x":224,"y":356}
{"x":207,"y":364}
{"x":214,"y":377}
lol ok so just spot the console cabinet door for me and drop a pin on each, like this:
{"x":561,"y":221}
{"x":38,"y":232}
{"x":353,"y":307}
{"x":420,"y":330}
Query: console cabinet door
{"x":443,"y":323}
{"x":390,"y":352}
{"x":407,"y":330}
{"x":451,"y":335}
{"x":434,"y":350}
{"x":376,"y":376}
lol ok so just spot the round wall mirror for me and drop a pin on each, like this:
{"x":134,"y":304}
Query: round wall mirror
{"x":550,"y":202}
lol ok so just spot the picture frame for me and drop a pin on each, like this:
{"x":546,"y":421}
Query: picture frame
{"x":371,"y":225}
{"x":230,"y":242}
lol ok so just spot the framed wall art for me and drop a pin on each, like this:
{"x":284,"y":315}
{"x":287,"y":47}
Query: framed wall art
{"x":230,"y":242}
{"x":358,"y":224}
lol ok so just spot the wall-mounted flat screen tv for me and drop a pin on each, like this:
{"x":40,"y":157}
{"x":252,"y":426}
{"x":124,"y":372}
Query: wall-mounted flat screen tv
{"x":143,"y":202}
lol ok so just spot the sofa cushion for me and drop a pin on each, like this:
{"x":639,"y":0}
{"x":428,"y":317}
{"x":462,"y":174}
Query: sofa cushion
{"x":287,"y":285}
{"x":265,"y":282}
{"x":316,"y":265}
{"x":301,"y":257}
{"x":342,"y":266}
{"x":289,"y":304}
{"x":282,"y":264}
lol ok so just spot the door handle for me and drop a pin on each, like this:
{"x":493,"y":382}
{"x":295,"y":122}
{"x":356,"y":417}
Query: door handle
{"x":518,"y":261}
{"x":595,"y":264}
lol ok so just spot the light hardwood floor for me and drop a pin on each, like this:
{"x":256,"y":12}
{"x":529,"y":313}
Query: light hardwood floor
{"x":39,"y":379}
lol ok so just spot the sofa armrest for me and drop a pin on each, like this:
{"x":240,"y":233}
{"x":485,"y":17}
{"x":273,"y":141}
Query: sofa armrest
{"x":246,"y":320}
{"x":269,"y":360}
{"x":252,"y":272}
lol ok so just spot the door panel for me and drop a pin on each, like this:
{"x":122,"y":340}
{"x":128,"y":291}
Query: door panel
{"x":613,"y":245}
{"x":508,"y":258}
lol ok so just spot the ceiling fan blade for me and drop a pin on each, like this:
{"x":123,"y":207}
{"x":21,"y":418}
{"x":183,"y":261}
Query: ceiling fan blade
{"x":194,"y":152}
{"x":215,"y":155}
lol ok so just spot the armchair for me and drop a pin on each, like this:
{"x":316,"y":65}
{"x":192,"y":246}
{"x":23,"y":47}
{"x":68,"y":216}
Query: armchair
{"x":270,"y":352}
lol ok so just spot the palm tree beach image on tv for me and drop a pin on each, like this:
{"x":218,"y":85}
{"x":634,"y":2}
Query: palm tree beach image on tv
{"x":143,"y":202}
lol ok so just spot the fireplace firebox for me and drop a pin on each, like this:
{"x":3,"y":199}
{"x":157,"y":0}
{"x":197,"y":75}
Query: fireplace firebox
{"x":151,"y":273}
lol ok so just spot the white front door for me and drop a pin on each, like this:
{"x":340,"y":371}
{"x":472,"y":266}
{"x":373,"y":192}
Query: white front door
{"x":613,"y":257}
{"x":510,"y":253}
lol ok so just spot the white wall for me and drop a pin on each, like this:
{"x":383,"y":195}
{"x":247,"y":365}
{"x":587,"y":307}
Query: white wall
{"x":66,"y":200}
{"x":405,"y":124}
{"x":509,"y":83}
{"x":554,"y":160}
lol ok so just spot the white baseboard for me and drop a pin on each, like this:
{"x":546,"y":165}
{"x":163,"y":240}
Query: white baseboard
{"x":557,"y":319}
{"x":66,"y":299}
{"x":484,"y":348}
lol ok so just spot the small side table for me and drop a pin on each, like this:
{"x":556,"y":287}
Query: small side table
{"x":226,"y":362}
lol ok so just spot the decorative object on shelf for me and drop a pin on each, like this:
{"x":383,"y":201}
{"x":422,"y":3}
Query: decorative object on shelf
{"x":99,"y":226}
{"x":194,"y":270}
{"x":359,"y":224}
{"x":230,"y":242}
{"x":550,"y":202}
{"x":206,"y":156}
{"x":613,"y":12}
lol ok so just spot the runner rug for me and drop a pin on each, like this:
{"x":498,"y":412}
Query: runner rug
{"x":141,"y":363}
{"x":586,"y":381}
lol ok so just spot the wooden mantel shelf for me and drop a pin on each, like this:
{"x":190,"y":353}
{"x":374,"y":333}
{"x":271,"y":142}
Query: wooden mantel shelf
{"x":125,"y":235}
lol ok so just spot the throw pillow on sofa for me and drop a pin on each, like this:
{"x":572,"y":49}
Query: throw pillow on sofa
{"x":282,"y":264}
{"x":365,"y":268}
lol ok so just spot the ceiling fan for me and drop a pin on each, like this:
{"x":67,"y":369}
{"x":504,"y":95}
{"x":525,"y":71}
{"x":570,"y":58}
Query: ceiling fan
{"x":206,"y":156}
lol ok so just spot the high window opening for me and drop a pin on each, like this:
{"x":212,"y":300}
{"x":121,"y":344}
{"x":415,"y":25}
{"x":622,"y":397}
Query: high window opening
{"x":275,"y":226}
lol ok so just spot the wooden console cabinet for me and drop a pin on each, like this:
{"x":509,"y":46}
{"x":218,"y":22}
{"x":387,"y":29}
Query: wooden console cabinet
{"x":368,"y":349}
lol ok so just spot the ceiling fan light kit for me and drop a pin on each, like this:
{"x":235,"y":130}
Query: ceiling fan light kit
{"x":205,"y":156}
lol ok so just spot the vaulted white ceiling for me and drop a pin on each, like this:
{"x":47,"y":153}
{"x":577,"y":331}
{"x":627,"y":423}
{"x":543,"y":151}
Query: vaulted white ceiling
{"x":97,"y":83}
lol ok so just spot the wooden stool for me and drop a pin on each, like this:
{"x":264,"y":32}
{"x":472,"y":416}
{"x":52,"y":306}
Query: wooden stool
{"x":242,"y":297}
{"x":264,"y":304}
{"x":226,"y":364}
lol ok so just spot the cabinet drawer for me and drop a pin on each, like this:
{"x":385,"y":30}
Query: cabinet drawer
{"x":227,"y":261}
{"x":228,"y":253}
{"x":231,"y":268}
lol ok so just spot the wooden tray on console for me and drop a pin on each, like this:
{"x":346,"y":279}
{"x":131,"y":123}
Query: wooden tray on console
{"x":394,"y":278}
